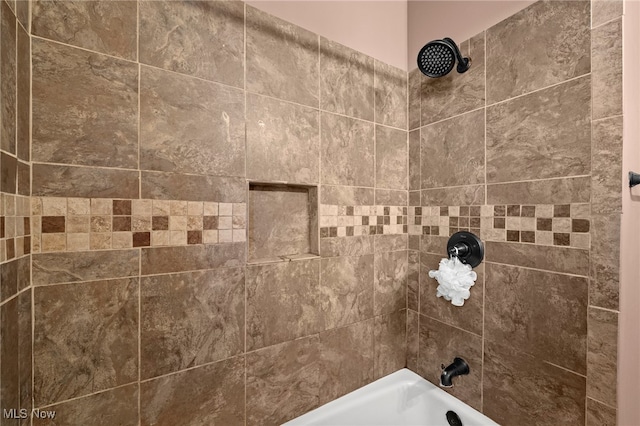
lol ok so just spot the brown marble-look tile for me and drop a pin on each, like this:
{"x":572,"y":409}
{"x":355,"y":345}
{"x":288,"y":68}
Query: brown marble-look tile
{"x":10,"y":354}
{"x":105,"y":27}
{"x":177,"y":186}
{"x":391,"y":158}
{"x":468,"y":317}
{"x":269,"y":235}
{"x":347,"y":195}
{"x":113,"y":407}
{"x":24,"y":179}
{"x":599,"y":414}
{"x":413,"y":339}
{"x":347,"y":151}
{"x":554,"y":259}
{"x":346,"y":290}
{"x":190,"y":319}
{"x":282,"y":59}
{"x":85,"y":338}
{"x":283,"y":381}
{"x":52,"y":224}
{"x":210,"y":138}
{"x":460,"y":195}
{"x":25,"y":339}
{"x":390,"y":282}
{"x":390,"y":334}
{"x":8,"y":174}
{"x":391,"y":242}
{"x":440,"y":344}
{"x":413,"y":278}
{"x":389,"y":197}
{"x":606,"y":170}
{"x":282,"y":302}
{"x":390,"y":85}
{"x":602,"y":356}
{"x":53,"y":268}
{"x":552,"y":191}
{"x":606,"y":59}
{"x":8,"y":79}
{"x":202,"y":39}
{"x":85,"y":107}
{"x":164,"y":260}
{"x":544,"y":44}
{"x":604,"y":11}
{"x":415,"y":181}
{"x":540,"y":313}
{"x":521,"y":389}
{"x":455,"y":93}
{"x":542,"y":135}
{"x":213,"y":394}
{"x":23,"y":99}
{"x":283,"y":141}
{"x":69,"y":181}
{"x":119,"y":224}
{"x":415,"y":85}
{"x":355,"y":246}
{"x":440,"y":148}
{"x":346,"y":81}
{"x":346,"y":360}
{"x":605,"y":261}
{"x":23,"y":9}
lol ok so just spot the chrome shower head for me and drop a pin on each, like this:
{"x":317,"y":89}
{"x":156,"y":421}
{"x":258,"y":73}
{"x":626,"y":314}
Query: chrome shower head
{"x":436,"y":58}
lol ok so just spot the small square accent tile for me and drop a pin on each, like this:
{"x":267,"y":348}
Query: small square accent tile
{"x":50,"y":224}
{"x":209,"y":236}
{"x":499,"y":210}
{"x":101,"y":206}
{"x":579,"y":225}
{"x":225,"y":209}
{"x":179,"y":208}
{"x":528,"y":211}
{"x":225,"y":236}
{"x":121,"y":223}
{"x":194,"y":237}
{"x":544,"y":224}
{"x":161,"y":208}
{"x":122,"y":239}
{"x":210,"y":209}
{"x":239,"y":235}
{"x":141,"y":239}
{"x":142,"y":207}
{"x":562,"y":210}
{"x":78,"y":206}
{"x":121,"y":207}
{"x":78,"y":242}
{"x":527,"y":236}
{"x":561,"y":239}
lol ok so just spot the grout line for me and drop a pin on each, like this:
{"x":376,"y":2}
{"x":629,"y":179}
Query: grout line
{"x":613,"y":311}
{"x":540,"y":89}
{"x":439,"y":320}
{"x":537,"y":269}
{"x":131,"y":61}
{"x":600,"y":402}
{"x":454,"y":116}
{"x":64,"y":401}
{"x":556,"y":365}
{"x":607,"y":22}
{"x":597,"y":120}
{"x":247,"y":187}
{"x":486,"y":199}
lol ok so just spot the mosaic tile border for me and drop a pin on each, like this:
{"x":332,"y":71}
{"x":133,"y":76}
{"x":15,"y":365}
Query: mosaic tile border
{"x":80,"y":224}
{"x":566,"y":225}
{"x":352,"y":221}
{"x":15,"y":227}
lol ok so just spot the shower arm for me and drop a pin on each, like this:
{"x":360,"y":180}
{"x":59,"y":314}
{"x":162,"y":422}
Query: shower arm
{"x":463,"y":63}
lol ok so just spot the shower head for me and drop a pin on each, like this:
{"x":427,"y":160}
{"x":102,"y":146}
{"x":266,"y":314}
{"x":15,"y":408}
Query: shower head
{"x":436,"y":58}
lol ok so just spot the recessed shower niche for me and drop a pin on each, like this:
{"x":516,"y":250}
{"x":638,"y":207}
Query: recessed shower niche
{"x":283,"y":222}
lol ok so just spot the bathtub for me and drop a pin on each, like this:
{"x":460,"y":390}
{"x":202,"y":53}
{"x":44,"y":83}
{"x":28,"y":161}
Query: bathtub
{"x":401,"y":398}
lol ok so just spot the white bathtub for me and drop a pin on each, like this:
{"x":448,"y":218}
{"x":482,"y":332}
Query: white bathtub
{"x":402,"y":398}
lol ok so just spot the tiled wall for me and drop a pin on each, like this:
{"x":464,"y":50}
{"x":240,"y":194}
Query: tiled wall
{"x":147,"y":121}
{"x":525,"y":150}
{"x":15,"y":226}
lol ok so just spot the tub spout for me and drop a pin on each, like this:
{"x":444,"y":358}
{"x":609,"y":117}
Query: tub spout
{"x":459,"y":367}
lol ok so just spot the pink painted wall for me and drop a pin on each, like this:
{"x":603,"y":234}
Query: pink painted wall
{"x":459,"y":20}
{"x":377,"y":28}
{"x":629,"y":327}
